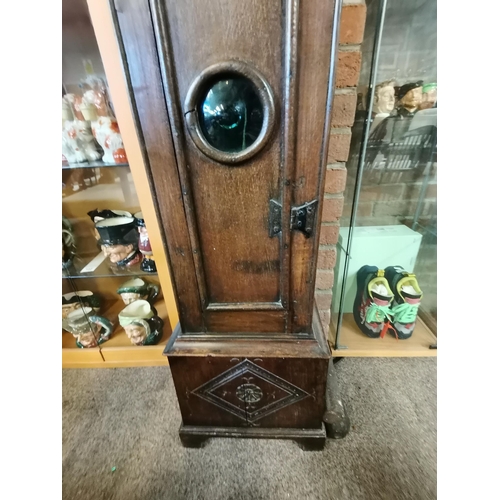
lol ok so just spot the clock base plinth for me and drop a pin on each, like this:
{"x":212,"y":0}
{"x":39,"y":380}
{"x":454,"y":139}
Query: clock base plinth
{"x":246,"y":386}
{"x":198,"y":436}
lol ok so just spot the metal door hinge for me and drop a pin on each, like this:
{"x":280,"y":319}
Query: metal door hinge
{"x":274,"y":218}
{"x":302,"y":217}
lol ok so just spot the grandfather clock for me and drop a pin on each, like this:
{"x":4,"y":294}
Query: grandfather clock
{"x":232,"y":101}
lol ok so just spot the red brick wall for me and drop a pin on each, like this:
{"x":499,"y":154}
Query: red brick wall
{"x":347,"y":74}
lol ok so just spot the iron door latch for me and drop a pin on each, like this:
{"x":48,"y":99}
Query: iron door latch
{"x":302,"y":218}
{"x":274,"y":218}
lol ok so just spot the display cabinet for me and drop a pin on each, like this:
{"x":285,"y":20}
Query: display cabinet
{"x":385,"y":290}
{"x":117,"y":302}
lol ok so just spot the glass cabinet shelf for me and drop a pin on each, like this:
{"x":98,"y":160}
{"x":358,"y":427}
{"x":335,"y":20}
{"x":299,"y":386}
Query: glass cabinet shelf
{"x":92,"y":164}
{"x":103,"y":270}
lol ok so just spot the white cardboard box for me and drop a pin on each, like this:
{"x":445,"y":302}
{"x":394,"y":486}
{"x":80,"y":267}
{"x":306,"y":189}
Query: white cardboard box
{"x":380,"y":246}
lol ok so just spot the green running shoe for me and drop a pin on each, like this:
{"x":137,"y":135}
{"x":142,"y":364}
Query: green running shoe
{"x":372,"y":305}
{"x":407,"y":297}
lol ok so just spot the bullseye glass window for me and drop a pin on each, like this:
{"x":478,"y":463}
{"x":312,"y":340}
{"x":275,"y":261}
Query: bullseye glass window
{"x":231,"y":114}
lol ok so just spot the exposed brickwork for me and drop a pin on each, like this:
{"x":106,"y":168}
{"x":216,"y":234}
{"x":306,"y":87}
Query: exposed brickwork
{"x":324,"y":299}
{"x":365,"y":209}
{"x":348,"y":68}
{"x":335,"y":180}
{"x":400,"y":208}
{"x":327,"y":256}
{"x":329,"y":234}
{"x":383,"y":192}
{"x":340,"y":140}
{"x":332,"y":208}
{"x":391,"y":197}
{"x":352,"y":23}
{"x":409,"y":177}
{"x":344,"y":108}
{"x":412,"y":191}
{"x":324,"y":279}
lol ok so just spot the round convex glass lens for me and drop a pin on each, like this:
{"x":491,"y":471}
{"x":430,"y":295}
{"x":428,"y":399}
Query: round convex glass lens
{"x":231,"y":114}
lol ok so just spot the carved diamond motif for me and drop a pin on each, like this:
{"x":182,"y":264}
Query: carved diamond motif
{"x":250,"y":392}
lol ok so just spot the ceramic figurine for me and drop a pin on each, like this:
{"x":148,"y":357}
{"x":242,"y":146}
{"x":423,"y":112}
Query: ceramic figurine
{"x":383,"y":102}
{"x":138,"y":289}
{"x":429,"y":96}
{"x":88,"y":110}
{"x":88,"y":329}
{"x":72,"y":145}
{"x":384,"y":98}
{"x":409,"y":98}
{"x":76,"y":300}
{"x":98,"y":215}
{"x":122,"y":255}
{"x":393,"y":127}
{"x":119,"y":240}
{"x":141,"y":323}
{"x":104,"y":125}
{"x":68,"y":243}
{"x":148,"y":263}
{"x":78,"y":142}
{"x":67,"y":112}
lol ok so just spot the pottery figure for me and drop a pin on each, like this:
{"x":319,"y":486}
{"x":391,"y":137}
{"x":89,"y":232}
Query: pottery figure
{"x":138,"y":289}
{"x":141,"y":323}
{"x":88,"y":329}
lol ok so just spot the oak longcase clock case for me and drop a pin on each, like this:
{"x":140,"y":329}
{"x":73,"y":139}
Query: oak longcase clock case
{"x":232,"y":103}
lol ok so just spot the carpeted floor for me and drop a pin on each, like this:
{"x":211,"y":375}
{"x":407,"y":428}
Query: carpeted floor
{"x":128,"y":418}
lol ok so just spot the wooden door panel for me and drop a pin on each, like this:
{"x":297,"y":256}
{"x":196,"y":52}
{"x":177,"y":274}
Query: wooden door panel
{"x":247,"y":322}
{"x":230,"y":275}
{"x":204,"y":33}
{"x":231,"y":203}
{"x":241,"y":262}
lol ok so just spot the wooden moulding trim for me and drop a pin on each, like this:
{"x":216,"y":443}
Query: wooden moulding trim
{"x":326,"y":136}
{"x":246,"y":306}
{"x":261,"y":336}
{"x":247,"y":348}
{"x":199,"y":85}
{"x":268,"y":345}
{"x":325,"y":144}
{"x":289,"y":120}
{"x":161,"y":30}
{"x":253,"y":432}
{"x":317,"y":17}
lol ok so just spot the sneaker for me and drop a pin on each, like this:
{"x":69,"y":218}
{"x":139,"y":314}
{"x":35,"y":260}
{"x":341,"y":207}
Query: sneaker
{"x":372,"y":305}
{"x":407,"y":297}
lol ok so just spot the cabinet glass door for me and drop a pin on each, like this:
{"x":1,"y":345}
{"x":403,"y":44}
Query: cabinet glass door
{"x":111,"y":295}
{"x":385,"y":292}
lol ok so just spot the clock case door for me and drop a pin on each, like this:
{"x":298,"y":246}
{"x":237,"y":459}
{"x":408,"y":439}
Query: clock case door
{"x":240,"y":263}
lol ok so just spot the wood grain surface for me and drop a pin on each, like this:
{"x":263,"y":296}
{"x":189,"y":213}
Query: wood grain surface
{"x":215,"y":216}
{"x":231,"y":203}
{"x":141,"y":65}
{"x":315,"y":47}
